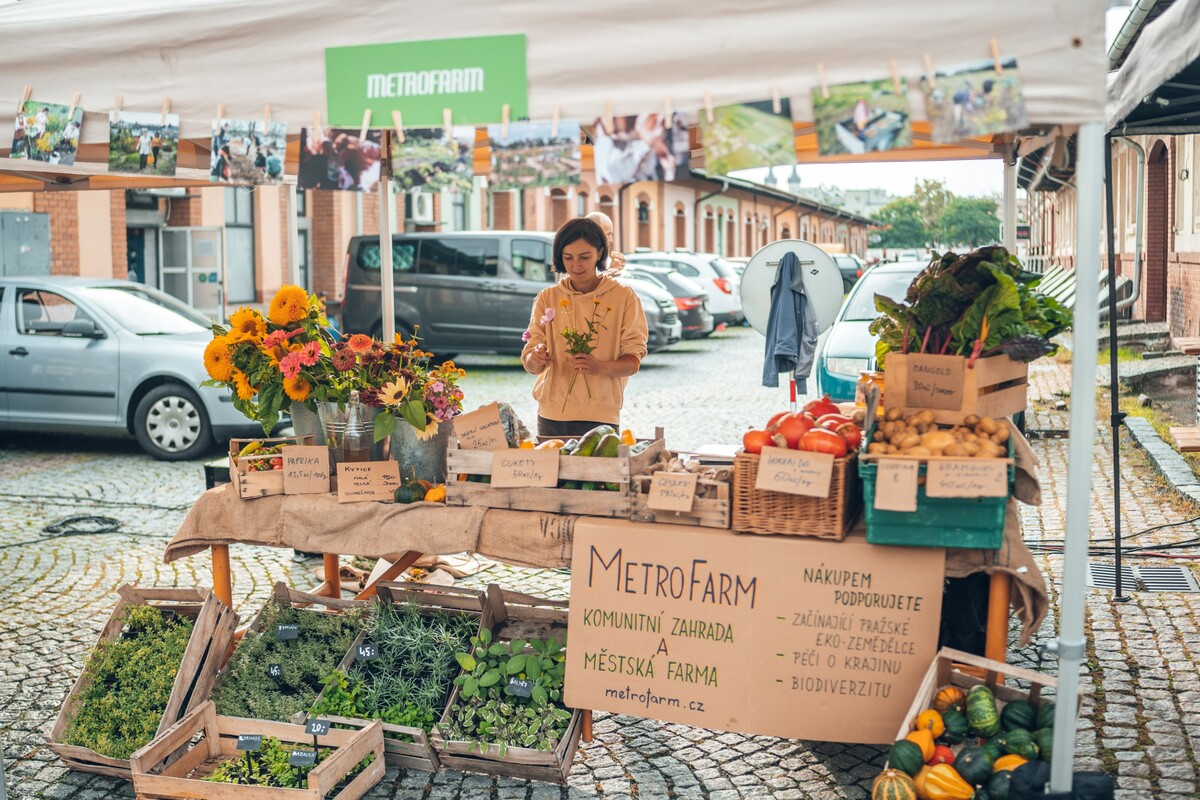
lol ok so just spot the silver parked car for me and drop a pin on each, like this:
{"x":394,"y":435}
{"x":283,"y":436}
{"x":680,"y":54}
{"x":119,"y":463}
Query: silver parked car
{"x":102,"y":356}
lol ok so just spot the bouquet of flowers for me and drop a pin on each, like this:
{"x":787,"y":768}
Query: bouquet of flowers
{"x":270,"y":362}
{"x":396,"y":378}
{"x":580,"y":340}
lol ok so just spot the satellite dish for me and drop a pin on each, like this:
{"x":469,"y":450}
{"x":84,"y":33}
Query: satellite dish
{"x":822,"y":282}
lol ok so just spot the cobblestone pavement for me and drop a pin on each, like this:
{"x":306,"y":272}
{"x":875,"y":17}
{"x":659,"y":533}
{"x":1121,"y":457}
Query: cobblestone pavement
{"x":1141,"y":711}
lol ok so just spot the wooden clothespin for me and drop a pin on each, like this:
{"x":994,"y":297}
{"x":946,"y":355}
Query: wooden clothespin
{"x":24,"y":98}
{"x":398,"y":124}
{"x":504,"y":121}
{"x":608,"y":116}
{"x":220,"y":113}
{"x":821,"y":81}
{"x":165,"y":110}
{"x":997,"y":64}
{"x":928,"y":59}
{"x":366,"y":126}
{"x":554,"y":122}
{"x":74,"y":105}
{"x":447,"y":119}
{"x":897,"y":86}
{"x":708,"y":108}
{"x":115,"y":114}
{"x":315,"y":126}
{"x":776,"y":103}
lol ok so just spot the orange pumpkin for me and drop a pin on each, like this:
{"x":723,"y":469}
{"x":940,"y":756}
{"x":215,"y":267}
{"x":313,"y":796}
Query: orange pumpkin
{"x":931,"y":721}
{"x":1008,"y":762}
{"x":943,"y":783}
{"x":924,"y":740}
{"x":949,"y":697}
{"x":919,"y":781}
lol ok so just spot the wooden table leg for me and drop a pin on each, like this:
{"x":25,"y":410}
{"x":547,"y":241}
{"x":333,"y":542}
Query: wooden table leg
{"x":333,"y":575}
{"x":587,"y":725}
{"x":999,"y":596}
{"x":221,"y":579}
{"x":394,"y":571}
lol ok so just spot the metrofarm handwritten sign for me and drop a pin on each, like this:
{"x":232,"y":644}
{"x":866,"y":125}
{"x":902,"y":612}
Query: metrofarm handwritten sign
{"x":360,"y":481}
{"x":967,"y":477}
{"x":794,"y":472}
{"x":513,"y":468}
{"x":481,"y":429}
{"x":774,"y":635}
{"x":672,"y":491}
{"x":305,"y":469}
{"x":934,"y":382}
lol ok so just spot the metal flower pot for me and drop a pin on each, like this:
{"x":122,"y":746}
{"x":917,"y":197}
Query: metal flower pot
{"x":421,"y":459}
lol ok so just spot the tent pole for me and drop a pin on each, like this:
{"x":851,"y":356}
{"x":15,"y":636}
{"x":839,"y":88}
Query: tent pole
{"x":293,"y":234}
{"x":1010,"y":204}
{"x":1115,"y":417}
{"x":387,"y":280}
{"x":1070,"y":645}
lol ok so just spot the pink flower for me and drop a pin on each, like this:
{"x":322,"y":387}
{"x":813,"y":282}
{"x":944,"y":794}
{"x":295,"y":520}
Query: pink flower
{"x":279,"y":337}
{"x":290,"y":364}
{"x":547,"y":316}
{"x":309,"y":353}
{"x":525,"y":336}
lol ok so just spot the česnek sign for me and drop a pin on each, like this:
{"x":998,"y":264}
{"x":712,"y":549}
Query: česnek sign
{"x":474,"y":78}
{"x":775,"y":635}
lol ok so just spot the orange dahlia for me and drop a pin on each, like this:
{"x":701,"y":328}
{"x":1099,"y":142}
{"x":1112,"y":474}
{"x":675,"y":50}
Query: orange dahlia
{"x":249,"y":322}
{"x":218,"y":361}
{"x":240,"y":382}
{"x":297,"y":388}
{"x":289,"y":305}
{"x":360,"y":343}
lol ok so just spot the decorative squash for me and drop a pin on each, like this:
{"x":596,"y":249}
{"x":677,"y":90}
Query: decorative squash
{"x":919,"y":782}
{"x":437,"y":494}
{"x":931,"y":721}
{"x":981,"y":711}
{"x":1020,"y":742}
{"x":1045,"y":714}
{"x":998,"y":784}
{"x":1045,"y":743}
{"x":981,"y":794}
{"x":924,"y":740}
{"x":892,"y":784}
{"x":955,"y":726}
{"x":974,"y":765}
{"x":942,"y":755}
{"x":1009,"y":762}
{"x":1018,"y":714}
{"x":409,"y":493}
{"x":993,"y":747}
{"x":943,"y":783}
{"x":906,"y":756}
{"x":948,"y":697}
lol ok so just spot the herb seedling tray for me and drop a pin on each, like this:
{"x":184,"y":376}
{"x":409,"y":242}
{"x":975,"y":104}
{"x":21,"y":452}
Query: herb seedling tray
{"x":211,"y":636}
{"x":249,"y":482}
{"x":512,"y":615}
{"x":156,"y":777}
{"x":397,"y":751}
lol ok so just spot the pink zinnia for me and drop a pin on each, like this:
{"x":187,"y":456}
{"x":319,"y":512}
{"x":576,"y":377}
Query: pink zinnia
{"x":279,"y":337}
{"x":290,"y":364}
{"x":309,"y":353}
{"x":547,"y":316}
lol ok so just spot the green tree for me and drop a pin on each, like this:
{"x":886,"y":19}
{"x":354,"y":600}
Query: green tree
{"x":932,"y":197}
{"x":902,"y":225}
{"x":971,"y":221}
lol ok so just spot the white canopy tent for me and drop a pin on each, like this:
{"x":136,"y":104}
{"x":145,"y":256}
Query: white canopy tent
{"x":244,"y":54}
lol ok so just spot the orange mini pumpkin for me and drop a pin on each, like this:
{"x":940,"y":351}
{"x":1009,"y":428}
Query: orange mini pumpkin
{"x":949,"y":697}
{"x":924,"y":740}
{"x":931,"y":721}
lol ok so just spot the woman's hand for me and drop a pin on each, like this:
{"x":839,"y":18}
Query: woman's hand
{"x":538,"y":359}
{"x":588,"y":364}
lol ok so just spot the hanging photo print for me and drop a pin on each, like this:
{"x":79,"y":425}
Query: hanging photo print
{"x":140,"y":142}
{"x":747,"y":135}
{"x":43,"y":132}
{"x":336,"y":158}
{"x":429,"y":158}
{"x":241,"y":153}
{"x":974,"y":100}
{"x":859,"y":118}
{"x":530,"y":156}
{"x":641,"y":148}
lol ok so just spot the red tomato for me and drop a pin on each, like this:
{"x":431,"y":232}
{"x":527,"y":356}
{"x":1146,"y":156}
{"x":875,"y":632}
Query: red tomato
{"x":792,"y":427}
{"x":825,"y":418}
{"x":819,"y":440}
{"x":819,"y":408}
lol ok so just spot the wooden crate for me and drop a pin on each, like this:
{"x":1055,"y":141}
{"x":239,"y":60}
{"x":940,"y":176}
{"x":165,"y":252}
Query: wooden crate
{"x":620,"y":470}
{"x":397,"y":752}
{"x":250,"y":483}
{"x":155,"y":776}
{"x":512,"y":615}
{"x":711,"y":508}
{"x":994,"y":387}
{"x":211,"y":636}
{"x":950,"y":668}
{"x":766,"y":512}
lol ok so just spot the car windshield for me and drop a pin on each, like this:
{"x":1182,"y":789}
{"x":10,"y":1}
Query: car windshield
{"x":145,"y":311}
{"x":861,"y":305}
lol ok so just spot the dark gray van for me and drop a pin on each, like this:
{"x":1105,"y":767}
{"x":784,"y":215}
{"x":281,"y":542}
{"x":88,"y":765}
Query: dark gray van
{"x":469,"y":291}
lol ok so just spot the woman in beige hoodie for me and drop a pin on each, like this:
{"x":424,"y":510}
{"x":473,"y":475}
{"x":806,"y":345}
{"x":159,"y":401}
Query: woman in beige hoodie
{"x":576,"y":392}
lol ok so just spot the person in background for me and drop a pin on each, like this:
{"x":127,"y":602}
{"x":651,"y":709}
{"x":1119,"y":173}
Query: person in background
{"x":575,"y":393}
{"x":616,"y":259}
{"x":145,"y":148}
{"x":155,"y":146}
{"x":274,"y":164}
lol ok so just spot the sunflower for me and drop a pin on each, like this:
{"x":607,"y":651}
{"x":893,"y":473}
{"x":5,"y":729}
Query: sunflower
{"x":360,"y":343}
{"x":391,"y":394}
{"x":290,"y":304}
{"x":244,"y":390}
{"x":431,"y":429}
{"x":249,"y":322}
{"x":297,"y":388}
{"x":218,"y":360}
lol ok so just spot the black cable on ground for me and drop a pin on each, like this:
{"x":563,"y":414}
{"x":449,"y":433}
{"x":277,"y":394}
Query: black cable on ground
{"x":79,"y":525}
{"x":38,"y":498}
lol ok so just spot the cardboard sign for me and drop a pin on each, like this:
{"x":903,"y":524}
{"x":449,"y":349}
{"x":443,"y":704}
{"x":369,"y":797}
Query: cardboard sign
{"x":481,"y":429}
{"x":511,"y":468}
{"x":305,"y":469}
{"x":967,"y":477}
{"x":795,"y":472}
{"x":934,"y":382}
{"x":775,"y":635}
{"x":896,"y":484}
{"x":359,"y":481}
{"x":672,"y":491}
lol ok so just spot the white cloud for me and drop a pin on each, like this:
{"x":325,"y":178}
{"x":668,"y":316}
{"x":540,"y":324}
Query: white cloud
{"x":974,"y":178}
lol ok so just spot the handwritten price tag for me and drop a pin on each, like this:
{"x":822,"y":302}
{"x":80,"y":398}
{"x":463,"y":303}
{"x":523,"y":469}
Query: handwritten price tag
{"x":974,"y":477}
{"x":934,"y":382}
{"x":366,"y":651}
{"x":249,"y":741}
{"x":316,"y":727}
{"x":305,"y":469}
{"x":302,"y":758}
{"x":672,"y":491}
{"x":520,"y":688}
{"x":511,"y":468}
{"x":481,"y":429}
{"x":896,"y":484}
{"x":795,"y":472}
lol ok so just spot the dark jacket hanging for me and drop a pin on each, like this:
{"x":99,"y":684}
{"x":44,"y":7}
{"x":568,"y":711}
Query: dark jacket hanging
{"x":791,"y":327}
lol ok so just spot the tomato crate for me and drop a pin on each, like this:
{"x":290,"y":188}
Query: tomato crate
{"x":766,"y":512}
{"x":512,"y":615}
{"x":995,"y":386}
{"x":176,"y":763}
{"x":212,"y":633}
{"x":406,"y":746}
{"x":249,"y":482}
{"x":710,"y":509}
{"x":461,"y":490}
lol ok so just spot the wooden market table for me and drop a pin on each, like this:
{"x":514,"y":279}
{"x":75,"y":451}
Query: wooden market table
{"x":1187,"y":437}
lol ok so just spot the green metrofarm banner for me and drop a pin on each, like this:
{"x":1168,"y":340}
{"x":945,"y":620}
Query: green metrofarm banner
{"x":473,"y":77}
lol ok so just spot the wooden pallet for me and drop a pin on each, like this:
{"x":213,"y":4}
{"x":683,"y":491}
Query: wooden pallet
{"x":1187,"y":440}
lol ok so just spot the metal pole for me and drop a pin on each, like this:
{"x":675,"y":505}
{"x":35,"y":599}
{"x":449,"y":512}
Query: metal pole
{"x":293,"y":234}
{"x":1070,"y":644}
{"x":387,"y":281}
{"x":1010,"y":204}
{"x":3,"y":789}
{"x":1115,"y":415}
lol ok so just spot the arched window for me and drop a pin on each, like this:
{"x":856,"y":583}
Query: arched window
{"x":730,"y":236}
{"x":785,"y":233}
{"x":680,"y":225}
{"x":748,"y":237}
{"x":643,"y":221}
{"x":560,"y":209}
{"x":708,"y":229}
{"x":583,"y":194}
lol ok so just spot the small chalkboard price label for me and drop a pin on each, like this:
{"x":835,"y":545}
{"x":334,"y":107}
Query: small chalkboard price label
{"x":302,"y":757}
{"x":520,"y":688}
{"x":275,"y":671}
{"x":316,"y":727}
{"x":287,"y":632}
{"x":249,"y":741}
{"x":366,"y":651}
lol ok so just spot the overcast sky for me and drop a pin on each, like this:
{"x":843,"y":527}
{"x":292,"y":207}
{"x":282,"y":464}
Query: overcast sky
{"x":981,"y":178}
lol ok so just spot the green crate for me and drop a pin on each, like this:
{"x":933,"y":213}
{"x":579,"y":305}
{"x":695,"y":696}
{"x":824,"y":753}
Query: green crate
{"x":938,"y":521}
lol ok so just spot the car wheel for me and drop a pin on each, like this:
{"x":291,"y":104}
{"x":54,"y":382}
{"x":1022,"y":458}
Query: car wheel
{"x":170,"y":423}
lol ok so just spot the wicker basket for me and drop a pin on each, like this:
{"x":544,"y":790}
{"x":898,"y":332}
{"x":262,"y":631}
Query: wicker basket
{"x":767,"y":512}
